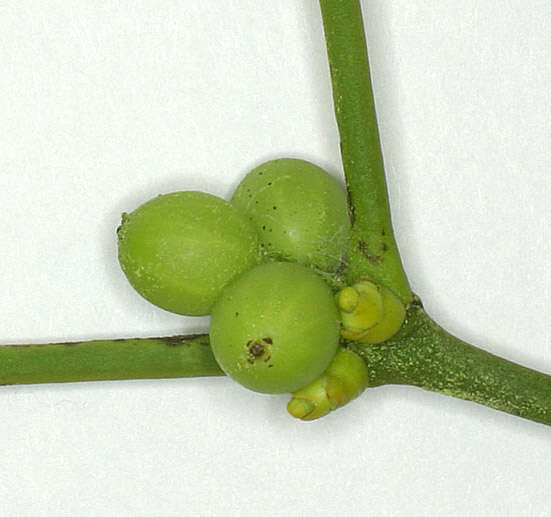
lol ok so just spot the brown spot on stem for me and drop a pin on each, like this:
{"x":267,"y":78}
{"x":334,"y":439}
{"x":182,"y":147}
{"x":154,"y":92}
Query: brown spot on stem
{"x":364,"y":249}
{"x":350,"y":204}
{"x":182,"y":340}
{"x":172,"y":342}
{"x":416,"y":302}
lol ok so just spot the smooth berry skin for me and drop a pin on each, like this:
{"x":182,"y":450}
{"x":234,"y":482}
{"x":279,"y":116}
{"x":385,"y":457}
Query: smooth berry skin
{"x":299,"y":210}
{"x":180,"y":250}
{"x":275,"y":328}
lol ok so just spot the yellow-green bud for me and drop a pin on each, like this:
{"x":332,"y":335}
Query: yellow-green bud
{"x":394,"y":316}
{"x":361,"y":306}
{"x":310,"y":402}
{"x":370,"y":313}
{"x":345,"y":378}
{"x":347,"y":299}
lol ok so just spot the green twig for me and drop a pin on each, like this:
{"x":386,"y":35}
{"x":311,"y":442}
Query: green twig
{"x":422,"y":354}
{"x":425,"y":355}
{"x":372,"y":251}
{"x":151,"y":358}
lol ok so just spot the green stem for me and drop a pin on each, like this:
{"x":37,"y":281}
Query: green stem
{"x":151,"y":358}
{"x":372,"y":250}
{"x":422,"y":355}
{"x":425,"y":355}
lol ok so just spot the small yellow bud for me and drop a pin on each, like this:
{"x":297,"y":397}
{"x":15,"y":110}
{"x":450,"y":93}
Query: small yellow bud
{"x":345,"y":378}
{"x":370,"y":313}
{"x":300,"y":408}
{"x":347,"y":299}
{"x":394,"y":315}
{"x":361,"y":306}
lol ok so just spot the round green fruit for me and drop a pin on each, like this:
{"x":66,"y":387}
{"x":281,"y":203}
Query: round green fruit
{"x":275,"y":328}
{"x":299,"y":210}
{"x":179,"y":250}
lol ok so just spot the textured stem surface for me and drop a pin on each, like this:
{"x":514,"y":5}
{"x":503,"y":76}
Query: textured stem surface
{"x":151,"y":358}
{"x":422,"y":355}
{"x":372,"y":249}
{"x":425,"y":355}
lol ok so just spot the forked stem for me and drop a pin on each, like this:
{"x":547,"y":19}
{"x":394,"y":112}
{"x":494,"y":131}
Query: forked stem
{"x":422,"y":354}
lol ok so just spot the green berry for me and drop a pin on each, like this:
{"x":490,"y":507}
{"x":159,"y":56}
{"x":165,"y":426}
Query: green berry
{"x":179,"y":250}
{"x":275,"y":328}
{"x":299,"y":210}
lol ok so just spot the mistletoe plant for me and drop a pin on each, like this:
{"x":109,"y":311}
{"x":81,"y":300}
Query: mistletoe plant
{"x":303,"y":281}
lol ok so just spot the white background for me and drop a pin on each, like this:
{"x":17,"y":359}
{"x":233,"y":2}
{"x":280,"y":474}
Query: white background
{"x":104,"y":104}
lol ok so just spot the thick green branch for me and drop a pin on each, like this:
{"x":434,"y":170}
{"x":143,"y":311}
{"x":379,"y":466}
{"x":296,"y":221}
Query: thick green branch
{"x":425,"y":355}
{"x":151,"y":358}
{"x":372,"y":250}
